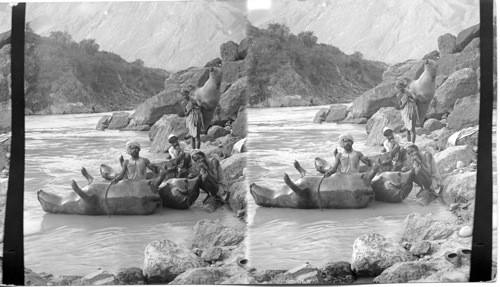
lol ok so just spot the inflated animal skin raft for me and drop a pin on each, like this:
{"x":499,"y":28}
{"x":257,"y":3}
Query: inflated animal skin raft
{"x":337,"y":191}
{"x":127,"y":197}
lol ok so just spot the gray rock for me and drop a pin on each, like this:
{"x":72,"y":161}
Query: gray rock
{"x":211,"y":254}
{"x":217,"y":62}
{"x":466,"y":36}
{"x":165,"y":103}
{"x":240,"y":146}
{"x":212,"y":275}
{"x":450,"y":156}
{"x":99,"y":277}
{"x":226,"y":144}
{"x":208,"y":233}
{"x":418,"y":227}
{"x":467,"y":136}
{"x":410,"y":69}
{"x":373,"y":253}
{"x":303,"y":274}
{"x":233,"y":99}
{"x":229,"y":51}
{"x":217,"y":132}
{"x":403,"y":272}
{"x":459,"y":187}
{"x":446,"y":44}
{"x":385,"y":117}
{"x":5,"y":116}
{"x":337,"y":113}
{"x":433,"y":124}
{"x":434,"y":55}
{"x":468,"y":58}
{"x":119,"y":121}
{"x":239,"y":126}
{"x":383,"y":95}
{"x":337,"y":273}
{"x":465,"y":231}
{"x":351,"y":120}
{"x":420,"y":248}
{"x":237,"y":195}
{"x":164,"y":260}
{"x":232,"y":71}
{"x":264,"y":276}
{"x":193,"y":76}
{"x":460,"y":84}
{"x":440,"y":80}
{"x":130,"y":276}
{"x":465,"y":113}
{"x":169,"y":124}
{"x":244,"y":47}
{"x":321,"y":115}
{"x":234,"y":165}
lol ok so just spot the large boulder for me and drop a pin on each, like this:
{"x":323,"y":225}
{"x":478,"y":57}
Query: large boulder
{"x":466,"y":36}
{"x":465,"y":113}
{"x":239,"y":126}
{"x":468,"y":58}
{"x":232,"y":71}
{"x":449,"y":157}
{"x":459,"y":187}
{"x":321,"y":115}
{"x":229,"y":51}
{"x":164,"y":260}
{"x":118,"y":121}
{"x":233,"y":99}
{"x":385,"y":117}
{"x":431,"y":125}
{"x":165,"y":103}
{"x":99,"y":277}
{"x":244,"y":47}
{"x":383,"y":95}
{"x":233,"y":166}
{"x":130,"y":276}
{"x":403,"y":272}
{"x":170,"y":124}
{"x":303,"y":274}
{"x":5,"y":116}
{"x":217,"y":132}
{"x":237,"y":195}
{"x":208,"y":233}
{"x":410,"y":69}
{"x":337,"y":273}
{"x":373,"y":253}
{"x":418,"y":227}
{"x":460,"y":84}
{"x":446,"y":44}
{"x":194,"y":76}
{"x":217,"y":62}
{"x":212,"y":275}
{"x":337,"y":113}
{"x":103,"y":123}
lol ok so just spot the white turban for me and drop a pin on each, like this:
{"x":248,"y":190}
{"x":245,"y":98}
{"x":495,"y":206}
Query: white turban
{"x":343,"y":137}
{"x":130,"y":144}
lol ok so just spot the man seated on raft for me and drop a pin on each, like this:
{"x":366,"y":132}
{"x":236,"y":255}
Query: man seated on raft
{"x":347,"y":160}
{"x":212,"y":177}
{"x":424,"y":170}
{"x":180,"y":159}
{"x":135,"y":167}
{"x":392,"y":144}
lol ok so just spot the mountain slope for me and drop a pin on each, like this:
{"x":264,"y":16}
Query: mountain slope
{"x":168,"y":35}
{"x":390,"y":30}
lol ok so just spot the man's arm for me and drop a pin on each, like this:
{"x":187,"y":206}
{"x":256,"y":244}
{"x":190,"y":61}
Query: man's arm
{"x":334,"y":167}
{"x":151,"y":166}
{"x":364,"y":159}
{"x":121,"y":174}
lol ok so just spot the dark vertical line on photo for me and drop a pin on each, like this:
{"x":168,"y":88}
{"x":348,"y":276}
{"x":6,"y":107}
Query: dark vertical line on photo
{"x":13,"y":245}
{"x":483,"y":210}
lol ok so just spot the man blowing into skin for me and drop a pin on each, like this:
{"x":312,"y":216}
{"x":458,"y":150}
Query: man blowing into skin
{"x":347,"y":160}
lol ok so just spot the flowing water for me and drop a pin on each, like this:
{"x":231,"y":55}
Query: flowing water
{"x":282,"y":238}
{"x":56,"y":148}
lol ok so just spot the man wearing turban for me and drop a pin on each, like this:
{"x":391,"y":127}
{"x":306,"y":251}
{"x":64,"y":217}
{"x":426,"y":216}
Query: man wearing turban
{"x":194,"y":118}
{"x":347,"y":160}
{"x":135,"y":167}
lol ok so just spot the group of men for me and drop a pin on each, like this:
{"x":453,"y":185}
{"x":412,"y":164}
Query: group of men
{"x":404,"y":157}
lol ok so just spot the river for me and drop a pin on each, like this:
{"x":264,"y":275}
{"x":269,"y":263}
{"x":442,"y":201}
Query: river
{"x":57,"y":146}
{"x":282,"y":238}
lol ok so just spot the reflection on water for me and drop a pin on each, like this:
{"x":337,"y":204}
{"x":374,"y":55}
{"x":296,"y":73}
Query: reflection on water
{"x":56,"y":149}
{"x":281,"y":238}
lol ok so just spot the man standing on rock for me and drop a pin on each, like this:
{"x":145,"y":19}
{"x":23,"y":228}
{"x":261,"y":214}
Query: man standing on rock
{"x":347,"y":160}
{"x":194,"y":118}
{"x":392,"y":144}
{"x":409,"y":112}
{"x":213,"y":181}
{"x":424,"y":172}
